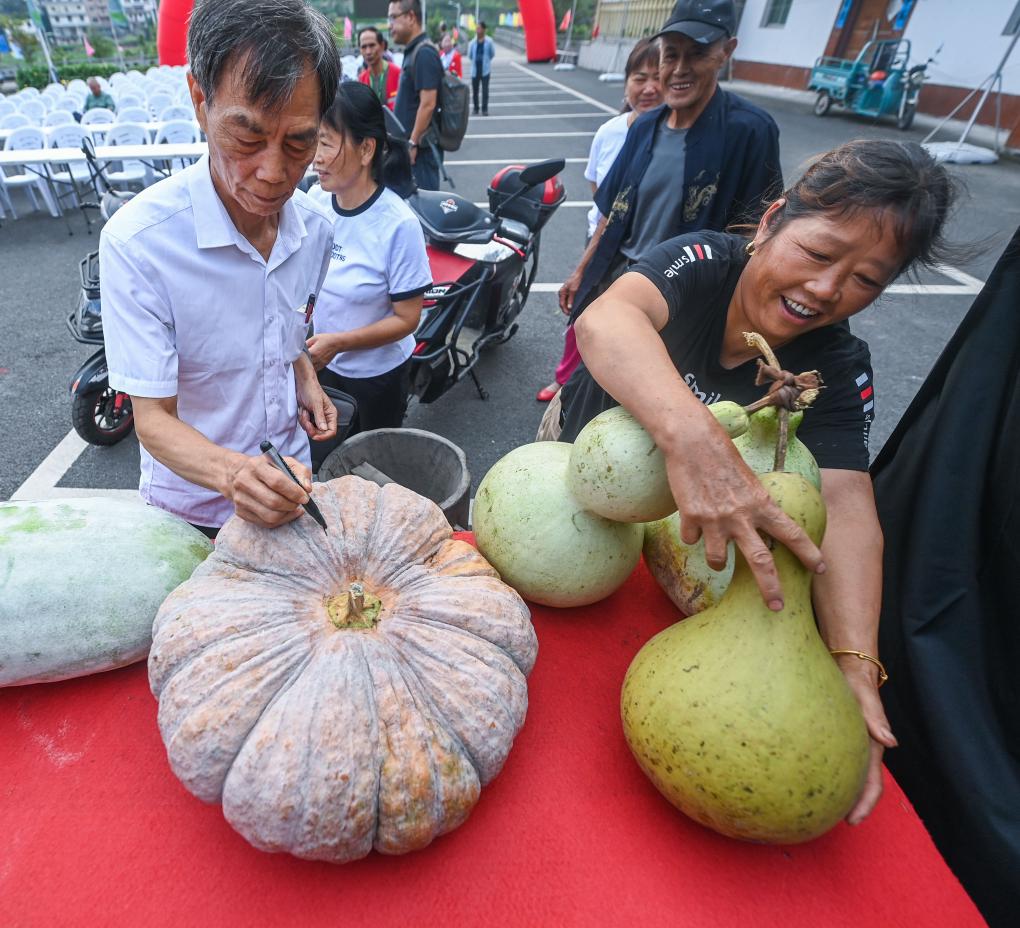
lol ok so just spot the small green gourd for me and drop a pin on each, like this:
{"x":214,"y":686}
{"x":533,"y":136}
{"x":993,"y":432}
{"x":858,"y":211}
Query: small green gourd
{"x":681,"y":569}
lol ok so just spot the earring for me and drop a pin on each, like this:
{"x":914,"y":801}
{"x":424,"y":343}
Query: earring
{"x":750,"y":249}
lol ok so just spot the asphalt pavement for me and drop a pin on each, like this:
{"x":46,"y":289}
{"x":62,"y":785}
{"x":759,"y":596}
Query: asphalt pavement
{"x":536,"y":112}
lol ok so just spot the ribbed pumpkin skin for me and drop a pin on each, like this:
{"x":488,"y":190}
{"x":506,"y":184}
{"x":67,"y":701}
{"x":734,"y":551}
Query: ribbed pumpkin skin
{"x":327,"y":742}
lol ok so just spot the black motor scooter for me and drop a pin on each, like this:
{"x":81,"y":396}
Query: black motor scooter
{"x":100,"y":414}
{"x":483,"y":265}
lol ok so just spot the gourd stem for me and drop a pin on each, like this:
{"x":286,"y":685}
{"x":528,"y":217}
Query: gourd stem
{"x":784,"y":439}
{"x":754,"y":340}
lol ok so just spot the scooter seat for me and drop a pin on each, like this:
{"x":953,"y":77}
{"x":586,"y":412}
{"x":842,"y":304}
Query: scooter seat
{"x":449,"y":218}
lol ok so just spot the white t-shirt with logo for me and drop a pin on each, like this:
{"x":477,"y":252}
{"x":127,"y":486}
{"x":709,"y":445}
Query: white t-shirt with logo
{"x":378,"y":259}
{"x":605,"y":147}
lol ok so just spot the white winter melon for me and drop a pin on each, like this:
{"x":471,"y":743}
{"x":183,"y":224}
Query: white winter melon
{"x":543,"y":542}
{"x":81,"y":581}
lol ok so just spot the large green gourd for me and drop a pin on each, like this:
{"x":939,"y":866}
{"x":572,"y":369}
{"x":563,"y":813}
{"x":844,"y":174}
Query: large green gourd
{"x":81,"y":581}
{"x":681,"y":569}
{"x":740,"y":716}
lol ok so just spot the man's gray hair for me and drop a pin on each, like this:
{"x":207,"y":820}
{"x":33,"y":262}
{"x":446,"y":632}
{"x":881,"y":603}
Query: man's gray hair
{"x":279,"y":41}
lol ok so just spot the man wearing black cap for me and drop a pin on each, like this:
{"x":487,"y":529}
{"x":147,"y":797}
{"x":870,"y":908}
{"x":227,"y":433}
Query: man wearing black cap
{"x":703,"y":160}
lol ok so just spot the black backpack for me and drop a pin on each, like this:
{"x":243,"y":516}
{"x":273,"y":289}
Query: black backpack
{"x":453,"y":103}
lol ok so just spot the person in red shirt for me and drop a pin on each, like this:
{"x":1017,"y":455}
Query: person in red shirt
{"x":381,"y":75}
{"x":451,"y":57}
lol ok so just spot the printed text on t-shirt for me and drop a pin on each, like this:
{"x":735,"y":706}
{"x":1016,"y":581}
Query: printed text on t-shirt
{"x":706,"y":398}
{"x":699,"y":251}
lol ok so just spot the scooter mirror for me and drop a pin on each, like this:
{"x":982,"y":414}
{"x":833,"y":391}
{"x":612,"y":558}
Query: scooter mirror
{"x":535,"y":174}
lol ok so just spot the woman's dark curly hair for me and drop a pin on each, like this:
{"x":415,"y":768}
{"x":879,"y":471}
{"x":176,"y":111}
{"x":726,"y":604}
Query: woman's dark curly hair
{"x":897,"y":181}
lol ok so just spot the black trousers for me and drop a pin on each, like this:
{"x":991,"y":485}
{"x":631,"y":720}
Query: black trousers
{"x":382,"y":400}
{"x":484,"y":81}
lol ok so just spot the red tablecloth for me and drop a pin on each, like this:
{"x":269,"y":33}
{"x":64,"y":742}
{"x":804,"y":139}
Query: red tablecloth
{"x":96,"y":831}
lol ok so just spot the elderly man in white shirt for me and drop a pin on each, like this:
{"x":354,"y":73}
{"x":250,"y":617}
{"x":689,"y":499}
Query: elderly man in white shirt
{"x":209,"y":276}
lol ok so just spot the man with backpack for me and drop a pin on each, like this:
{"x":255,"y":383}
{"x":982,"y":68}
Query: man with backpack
{"x":418,"y":92}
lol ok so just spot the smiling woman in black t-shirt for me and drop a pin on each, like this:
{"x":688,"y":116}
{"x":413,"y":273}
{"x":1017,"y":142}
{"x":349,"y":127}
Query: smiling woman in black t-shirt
{"x":667,"y":338}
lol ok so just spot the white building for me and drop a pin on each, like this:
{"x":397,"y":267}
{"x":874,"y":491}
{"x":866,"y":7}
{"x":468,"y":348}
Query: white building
{"x":780,"y":40}
{"x":139,"y":12}
{"x":68,"y":19}
{"x":71,"y":19}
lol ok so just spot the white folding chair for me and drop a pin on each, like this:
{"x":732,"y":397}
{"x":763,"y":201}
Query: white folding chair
{"x":133,"y":114}
{"x":57,"y":89}
{"x":69,"y":103}
{"x":125,"y":173}
{"x":14,"y":121}
{"x":131,"y":99}
{"x":96,"y":122}
{"x":6,"y":206}
{"x":136,"y":76}
{"x":157,"y":102}
{"x":57,"y":118}
{"x":177,"y":111}
{"x":28,"y":92}
{"x":6,"y":107}
{"x":177,"y":132}
{"x":34,"y":109}
{"x":78,"y":86}
{"x":28,"y":138}
{"x":74,"y":174}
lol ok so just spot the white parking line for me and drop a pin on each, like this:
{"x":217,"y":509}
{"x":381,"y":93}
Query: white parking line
{"x":538,"y":103}
{"x":509,"y":160}
{"x":961,"y":276}
{"x":598,"y":104}
{"x":530,"y":135}
{"x":42,"y":482}
{"x":543,"y":116}
{"x":524,"y":93}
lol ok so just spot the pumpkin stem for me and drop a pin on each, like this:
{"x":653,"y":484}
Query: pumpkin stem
{"x":354,"y":608}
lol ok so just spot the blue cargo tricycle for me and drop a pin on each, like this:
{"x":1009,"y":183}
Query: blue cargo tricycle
{"x":878,"y":82}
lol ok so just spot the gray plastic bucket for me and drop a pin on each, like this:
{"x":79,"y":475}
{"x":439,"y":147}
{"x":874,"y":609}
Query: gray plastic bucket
{"x":422,"y":461}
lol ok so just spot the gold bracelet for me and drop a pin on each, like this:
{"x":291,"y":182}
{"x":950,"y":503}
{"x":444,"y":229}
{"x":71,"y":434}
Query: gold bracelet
{"x":882,"y":675}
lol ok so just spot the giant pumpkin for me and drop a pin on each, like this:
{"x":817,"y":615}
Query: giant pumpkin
{"x":347,"y":691}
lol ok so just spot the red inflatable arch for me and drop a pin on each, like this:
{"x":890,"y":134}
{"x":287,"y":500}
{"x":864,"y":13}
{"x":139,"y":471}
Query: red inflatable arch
{"x":172,"y":33}
{"x":539,"y":29}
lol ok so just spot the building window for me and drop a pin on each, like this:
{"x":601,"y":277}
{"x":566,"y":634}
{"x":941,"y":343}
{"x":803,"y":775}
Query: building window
{"x":1013,"y":23}
{"x":776,"y":12}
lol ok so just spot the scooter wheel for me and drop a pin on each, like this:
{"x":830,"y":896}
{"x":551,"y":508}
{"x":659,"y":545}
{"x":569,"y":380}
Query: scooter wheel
{"x":905,"y":119}
{"x":823,"y":102}
{"x":98,"y":421}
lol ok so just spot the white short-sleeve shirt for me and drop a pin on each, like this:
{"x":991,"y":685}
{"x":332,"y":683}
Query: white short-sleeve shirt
{"x":192,"y":310}
{"x":378,"y":259}
{"x":605,"y":147}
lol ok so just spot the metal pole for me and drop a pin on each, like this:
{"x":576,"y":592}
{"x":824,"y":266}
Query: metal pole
{"x":612,"y":74}
{"x":116,"y":39}
{"x":996,"y":78}
{"x":570,"y":27}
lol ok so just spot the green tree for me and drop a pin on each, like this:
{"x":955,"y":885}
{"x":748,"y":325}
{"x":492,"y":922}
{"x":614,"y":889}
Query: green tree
{"x":104,"y":46}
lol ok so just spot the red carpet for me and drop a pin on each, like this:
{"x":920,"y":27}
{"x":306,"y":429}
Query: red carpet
{"x":96,"y":831}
